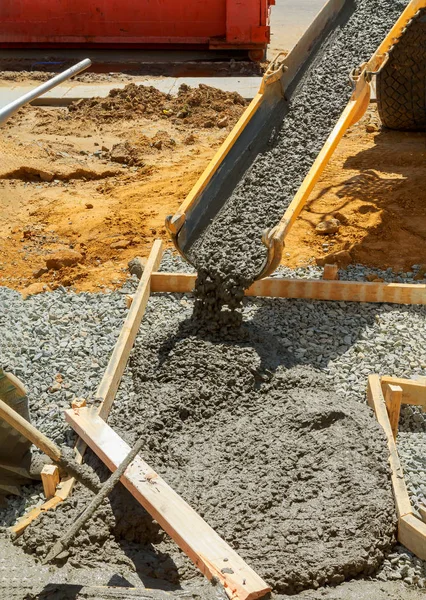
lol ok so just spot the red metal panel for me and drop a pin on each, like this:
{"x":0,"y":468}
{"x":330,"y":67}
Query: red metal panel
{"x":111,"y":21}
{"x":247,"y":21}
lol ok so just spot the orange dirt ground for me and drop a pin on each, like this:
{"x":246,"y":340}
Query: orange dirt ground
{"x":102,"y":186}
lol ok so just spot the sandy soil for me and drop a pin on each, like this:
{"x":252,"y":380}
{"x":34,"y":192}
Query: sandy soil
{"x":62,"y":188}
{"x":374,"y":187}
{"x":69,"y":180}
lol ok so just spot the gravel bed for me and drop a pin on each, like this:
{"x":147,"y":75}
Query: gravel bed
{"x":352,"y":273}
{"x":347,"y":341}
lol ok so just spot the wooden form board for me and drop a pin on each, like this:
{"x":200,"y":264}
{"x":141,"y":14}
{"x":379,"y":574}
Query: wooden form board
{"x":209,"y":552}
{"x":376,"y":400}
{"x":413,"y":391}
{"x":312,"y":289}
{"x":411,"y":530}
{"x":111,"y":378}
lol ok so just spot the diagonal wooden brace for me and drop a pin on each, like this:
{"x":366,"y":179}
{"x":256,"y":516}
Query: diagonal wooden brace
{"x":208,"y":551}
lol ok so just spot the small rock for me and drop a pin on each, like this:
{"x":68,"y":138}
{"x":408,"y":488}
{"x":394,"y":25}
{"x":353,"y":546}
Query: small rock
{"x":89,"y":205}
{"x":135,"y":267}
{"x":33,"y":289}
{"x":223,"y":122}
{"x":158,"y":144}
{"x":63,"y":258}
{"x":120,"y":245}
{"x":342,"y":258}
{"x":55,"y":387}
{"x":208,"y":124}
{"x":371,"y":128}
{"x":39,"y":272}
{"x":46,"y":175}
{"x":121,"y":153}
{"x":328,"y":227}
{"x":105,"y":149}
{"x":189,"y":140}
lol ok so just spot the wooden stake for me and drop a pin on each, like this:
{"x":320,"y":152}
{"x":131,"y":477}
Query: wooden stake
{"x":331,"y":272}
{"x":50,"y":479}
{"x":422,"y":511}
{"x":117,"y":363}
{"x":413,"y":391}
{"x":393,"y":398}
{"x":412,"y":534}
{"x":377,"y":402}
{"x":209,"y":552}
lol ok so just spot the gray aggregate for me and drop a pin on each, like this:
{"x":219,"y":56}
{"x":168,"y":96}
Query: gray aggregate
{"x":346,"y":341}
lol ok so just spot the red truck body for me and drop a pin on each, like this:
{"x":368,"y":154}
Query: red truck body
{"x":240,"y":24}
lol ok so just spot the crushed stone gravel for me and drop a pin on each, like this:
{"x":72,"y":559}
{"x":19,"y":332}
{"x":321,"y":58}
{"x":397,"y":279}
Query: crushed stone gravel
{"x":320,"y":335}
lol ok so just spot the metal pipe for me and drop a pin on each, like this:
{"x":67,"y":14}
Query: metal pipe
{"x":14,"y":106}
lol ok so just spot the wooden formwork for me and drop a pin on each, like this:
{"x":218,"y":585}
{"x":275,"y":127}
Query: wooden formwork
{"x":385,"y":396}
{"x":329,"y":288}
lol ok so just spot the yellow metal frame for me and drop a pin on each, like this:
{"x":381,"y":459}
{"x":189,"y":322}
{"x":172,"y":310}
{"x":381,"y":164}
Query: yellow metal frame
{"x":354,"y":111}
{"x":283,"y":72}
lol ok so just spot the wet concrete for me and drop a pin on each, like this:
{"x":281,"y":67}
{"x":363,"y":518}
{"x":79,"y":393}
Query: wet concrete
{"x":297,"y":483}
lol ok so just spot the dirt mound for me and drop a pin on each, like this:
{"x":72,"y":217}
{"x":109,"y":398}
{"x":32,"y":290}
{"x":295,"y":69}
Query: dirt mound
{"x":204,"y":106}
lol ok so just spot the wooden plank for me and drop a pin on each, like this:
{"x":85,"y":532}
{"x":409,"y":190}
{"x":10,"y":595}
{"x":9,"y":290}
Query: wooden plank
{"x":413,"y":391}
{"x":27,"y":519}
{"x":49,"y":479}
{"x":117,"y":363}
{"x":377,"y":402}
{"x":112,"y":376}
{"x":331,"y":272}
{"x":412,"y":534}
{"x":422,"y":511}
{"x":393,"y":398}
{"x":315,"y":289}
{"x":192,"y":534}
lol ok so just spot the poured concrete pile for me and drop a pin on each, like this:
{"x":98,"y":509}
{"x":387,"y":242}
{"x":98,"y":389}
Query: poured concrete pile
{"x":229,"y":253}
{"x":295,"y":480}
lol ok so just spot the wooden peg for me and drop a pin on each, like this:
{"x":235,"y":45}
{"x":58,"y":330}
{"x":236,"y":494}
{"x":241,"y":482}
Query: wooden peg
{"x":50,"y":479}
{"x":129,"y":300}
{"x":331,"y":272}
{"x":393,"y":399}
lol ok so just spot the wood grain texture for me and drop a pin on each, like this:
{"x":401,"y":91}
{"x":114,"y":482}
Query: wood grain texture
{"x":49,"y":479}
{"x":412,"y":534}
{"x":377,"y":402}
{"x":413,"y":391}
{"x":393,"y":399}
{"x":311,"y":289}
